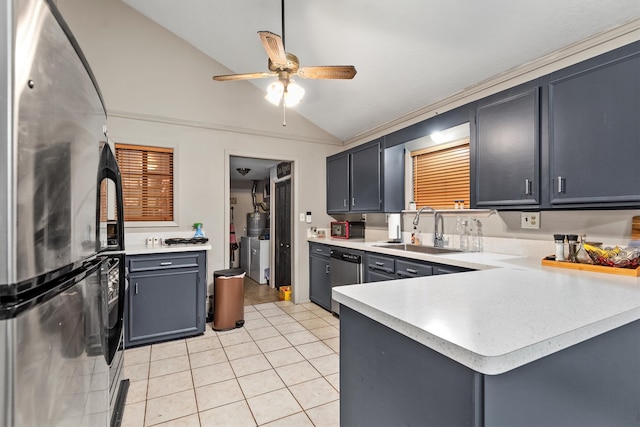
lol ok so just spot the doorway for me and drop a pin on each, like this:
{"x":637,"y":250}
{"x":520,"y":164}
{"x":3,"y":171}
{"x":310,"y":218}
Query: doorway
{"x":253,"y":185}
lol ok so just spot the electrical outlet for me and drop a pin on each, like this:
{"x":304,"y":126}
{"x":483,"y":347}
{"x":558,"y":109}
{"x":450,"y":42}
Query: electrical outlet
{"x":234,"y":200}
{"x":530,"y":220}
{"x":303,"y":217}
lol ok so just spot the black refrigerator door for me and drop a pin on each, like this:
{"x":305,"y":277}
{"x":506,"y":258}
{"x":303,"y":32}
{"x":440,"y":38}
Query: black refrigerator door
{"x":105,"y":327}
{"x":110,"y":244}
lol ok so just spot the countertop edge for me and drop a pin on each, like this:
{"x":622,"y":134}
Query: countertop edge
{"x":452,"y":259}
{"x":161,"y":249}
{"x":487,"y":364}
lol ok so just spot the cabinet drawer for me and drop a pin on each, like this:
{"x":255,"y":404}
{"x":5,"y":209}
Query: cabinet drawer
{"x":321,"y":250}
{"x":406,"y":269}
{"x":381,"y":263}
{"x":449,"y":269}
{"x":375,"y":276}
{"x":162,"y":262}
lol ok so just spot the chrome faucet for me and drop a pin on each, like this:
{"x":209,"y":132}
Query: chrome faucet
{"x":438,"y":232}
{"x":417,"y":218}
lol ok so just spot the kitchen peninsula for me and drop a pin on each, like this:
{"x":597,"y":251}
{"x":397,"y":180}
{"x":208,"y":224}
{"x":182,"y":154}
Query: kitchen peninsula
{"x":508,"y":346}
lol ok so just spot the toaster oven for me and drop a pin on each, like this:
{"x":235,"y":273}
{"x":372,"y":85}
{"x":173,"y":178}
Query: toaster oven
{"x":347,"y":230}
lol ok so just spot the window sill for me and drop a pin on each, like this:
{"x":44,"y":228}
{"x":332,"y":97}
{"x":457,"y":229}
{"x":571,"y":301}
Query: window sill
{"x":149,"y":224}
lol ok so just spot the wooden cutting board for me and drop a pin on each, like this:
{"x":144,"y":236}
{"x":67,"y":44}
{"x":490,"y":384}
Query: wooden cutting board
{"x":633,"y":272}
{"x":635,"y":228}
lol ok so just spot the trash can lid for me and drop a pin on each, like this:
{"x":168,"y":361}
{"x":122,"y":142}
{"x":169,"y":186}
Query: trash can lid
{"x":228,"y":272}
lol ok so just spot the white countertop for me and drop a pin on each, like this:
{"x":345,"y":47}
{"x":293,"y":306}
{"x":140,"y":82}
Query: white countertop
{"x":155,"y":249}
{"x":510,"y":313}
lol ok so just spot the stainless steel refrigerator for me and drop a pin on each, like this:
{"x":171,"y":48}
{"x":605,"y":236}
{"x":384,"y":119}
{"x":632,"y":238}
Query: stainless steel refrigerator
{"x":61,"y":280}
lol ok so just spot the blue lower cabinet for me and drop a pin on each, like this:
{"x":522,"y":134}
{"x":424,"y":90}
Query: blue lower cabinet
{"x":166,"y":297}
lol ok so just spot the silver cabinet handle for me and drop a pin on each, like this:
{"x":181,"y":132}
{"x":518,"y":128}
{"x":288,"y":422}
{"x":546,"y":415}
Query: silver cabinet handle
{"x":344,"y":203}
{"x":136,"y":290}
{"x":560,"y":184}
{"x":381,"y":264}
{"x":527,"y":187}
{"x":412,"y":271}
{"x":166,"y":263}
{"x":318,"y":250}
{"x":353,"y":201}
{"x":327,"y":269}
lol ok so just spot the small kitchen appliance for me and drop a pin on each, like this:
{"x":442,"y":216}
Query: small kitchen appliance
{"x":347,"y":230}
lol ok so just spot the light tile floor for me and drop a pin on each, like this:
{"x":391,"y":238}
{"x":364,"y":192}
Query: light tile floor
{"x":280,"y":369}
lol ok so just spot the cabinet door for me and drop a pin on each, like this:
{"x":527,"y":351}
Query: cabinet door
{"x":163,"y":305}
{"x":365,"y":179}
{"x":507,"y":153}
{"x":338,"y":184}
{"x":319,"y":283}
{"x":393,"y":179}
{"x":594,"y":135}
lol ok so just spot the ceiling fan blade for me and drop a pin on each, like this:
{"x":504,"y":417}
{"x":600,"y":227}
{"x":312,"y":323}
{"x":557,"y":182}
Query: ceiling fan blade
{"x":275,"y":48}
{"x":328,"y":72}
{"x":247,"y":76}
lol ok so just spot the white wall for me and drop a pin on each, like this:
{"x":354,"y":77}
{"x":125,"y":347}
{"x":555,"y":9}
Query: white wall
{"x":158,"y":91}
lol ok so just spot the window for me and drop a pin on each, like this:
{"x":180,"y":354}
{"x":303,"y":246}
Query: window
{"x":147,"y":182}
{"x":441,"y":175}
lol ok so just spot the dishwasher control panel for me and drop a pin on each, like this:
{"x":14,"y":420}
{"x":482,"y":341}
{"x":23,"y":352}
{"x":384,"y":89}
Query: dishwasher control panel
{"x":346,"y":256}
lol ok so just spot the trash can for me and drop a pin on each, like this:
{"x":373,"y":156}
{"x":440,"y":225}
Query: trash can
{"x":228,"y":299}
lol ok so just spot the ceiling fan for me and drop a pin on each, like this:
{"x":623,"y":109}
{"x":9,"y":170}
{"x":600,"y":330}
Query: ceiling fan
{"x":285,"y":65}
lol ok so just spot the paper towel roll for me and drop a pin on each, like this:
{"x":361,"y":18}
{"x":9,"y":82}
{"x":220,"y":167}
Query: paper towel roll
{"x":395,"y":227}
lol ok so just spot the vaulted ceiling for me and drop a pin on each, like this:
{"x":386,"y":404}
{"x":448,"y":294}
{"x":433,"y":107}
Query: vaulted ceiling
{"x":409,"y":53}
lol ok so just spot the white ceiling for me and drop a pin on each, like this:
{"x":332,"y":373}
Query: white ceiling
{"x":409,"y":53}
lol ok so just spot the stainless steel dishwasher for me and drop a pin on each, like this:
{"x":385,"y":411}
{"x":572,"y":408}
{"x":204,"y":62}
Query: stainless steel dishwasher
{"x":346,"y":269}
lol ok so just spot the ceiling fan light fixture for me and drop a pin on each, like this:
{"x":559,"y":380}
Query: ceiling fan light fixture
{"x":243,"y":171}
{"x":274,"y":92}
{"x":293,"y":94}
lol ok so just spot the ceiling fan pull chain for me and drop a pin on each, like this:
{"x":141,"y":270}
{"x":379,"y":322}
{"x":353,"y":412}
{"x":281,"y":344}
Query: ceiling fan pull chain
{"x":284,"y":113}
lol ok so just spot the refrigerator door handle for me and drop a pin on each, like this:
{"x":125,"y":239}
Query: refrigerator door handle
{"x":108,"y":168}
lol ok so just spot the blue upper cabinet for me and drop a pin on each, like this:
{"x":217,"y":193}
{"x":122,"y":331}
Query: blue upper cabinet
{"x":368,"y":178}
{"x":567,"y":140}
{"x":594,"y":134}
{"x":338,"y":199}
{"x":507,"y":169}
{"x":366,"y":191}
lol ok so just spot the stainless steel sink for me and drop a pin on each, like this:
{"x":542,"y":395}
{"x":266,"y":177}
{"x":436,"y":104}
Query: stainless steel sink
{"x":414,"y":248}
